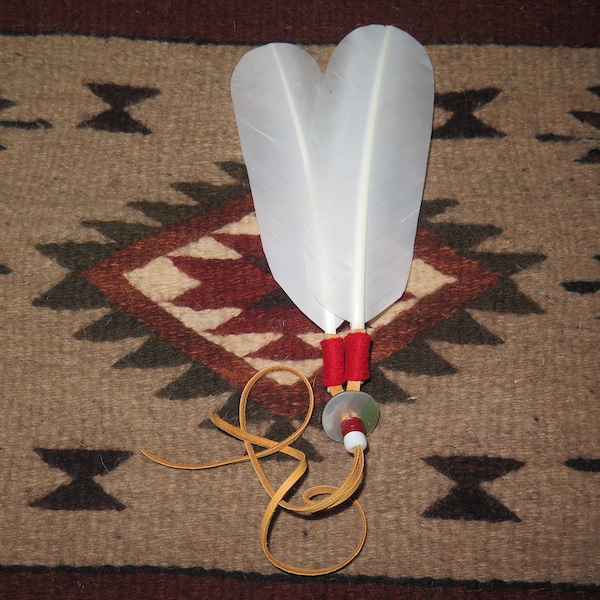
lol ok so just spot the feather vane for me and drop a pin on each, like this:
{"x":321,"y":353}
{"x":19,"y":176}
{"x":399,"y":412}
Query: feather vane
{"x":274,"y":90}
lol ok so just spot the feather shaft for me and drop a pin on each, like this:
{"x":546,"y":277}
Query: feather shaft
{"x":359,"y":276}
{"x":373,"y":120}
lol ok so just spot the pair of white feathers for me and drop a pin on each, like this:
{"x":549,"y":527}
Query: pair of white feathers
{"x":337,"y":167}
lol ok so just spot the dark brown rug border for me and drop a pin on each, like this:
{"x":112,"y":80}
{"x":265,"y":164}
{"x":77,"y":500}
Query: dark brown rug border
{"x":534,"y":22}
{"x":156,"y":583}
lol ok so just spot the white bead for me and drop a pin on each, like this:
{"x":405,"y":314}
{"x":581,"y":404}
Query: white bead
{"x":353,"y":439}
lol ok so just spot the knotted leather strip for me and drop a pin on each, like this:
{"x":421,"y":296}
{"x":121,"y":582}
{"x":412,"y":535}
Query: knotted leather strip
{"x":330,"y":496}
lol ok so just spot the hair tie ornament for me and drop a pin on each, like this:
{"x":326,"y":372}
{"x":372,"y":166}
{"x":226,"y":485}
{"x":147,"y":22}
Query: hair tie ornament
{"x":336,"y":164}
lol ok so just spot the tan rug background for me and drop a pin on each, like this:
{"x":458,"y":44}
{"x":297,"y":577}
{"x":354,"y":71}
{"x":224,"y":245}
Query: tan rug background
{"x":532,"y":398}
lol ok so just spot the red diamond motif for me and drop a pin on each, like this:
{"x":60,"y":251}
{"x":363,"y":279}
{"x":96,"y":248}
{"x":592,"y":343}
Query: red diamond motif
{"x":204,"y":286}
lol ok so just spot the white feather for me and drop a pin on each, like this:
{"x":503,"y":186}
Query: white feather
{"x":373,"y":120}
{"x":337,"y":167}
{"x":274,"y":90}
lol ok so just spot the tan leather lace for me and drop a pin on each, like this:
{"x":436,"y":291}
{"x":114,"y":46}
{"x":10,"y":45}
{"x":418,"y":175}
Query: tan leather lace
{"x":331,"y":496}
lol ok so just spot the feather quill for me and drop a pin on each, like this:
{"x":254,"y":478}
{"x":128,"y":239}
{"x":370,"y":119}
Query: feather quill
{"x":337,"y":167}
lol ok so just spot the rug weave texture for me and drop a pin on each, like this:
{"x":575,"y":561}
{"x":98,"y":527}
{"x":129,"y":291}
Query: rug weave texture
{"x":135,"y":297}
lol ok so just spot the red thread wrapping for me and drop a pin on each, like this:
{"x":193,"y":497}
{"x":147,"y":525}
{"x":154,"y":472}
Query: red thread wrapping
{"x":352,"y":424}
{"x":333,"y":361}
{"x":358,"y":345}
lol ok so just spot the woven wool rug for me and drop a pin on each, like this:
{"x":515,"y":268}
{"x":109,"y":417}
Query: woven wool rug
{"x":135,"y":297}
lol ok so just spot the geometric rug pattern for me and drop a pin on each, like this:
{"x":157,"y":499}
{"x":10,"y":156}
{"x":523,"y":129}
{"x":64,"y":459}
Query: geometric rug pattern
{"x":135,"y":297}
